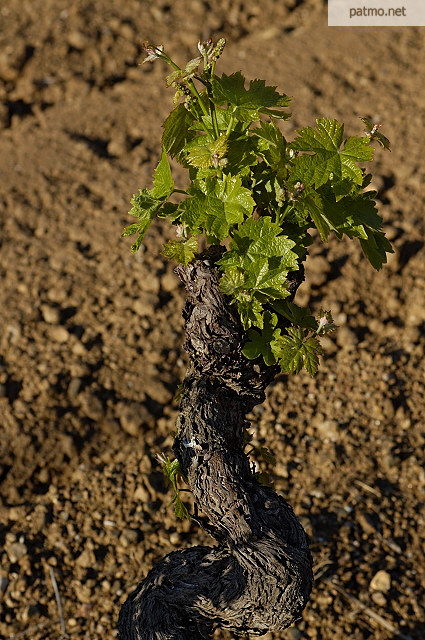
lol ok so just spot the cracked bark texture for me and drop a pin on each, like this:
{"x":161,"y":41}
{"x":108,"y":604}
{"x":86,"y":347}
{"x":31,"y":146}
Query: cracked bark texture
{"x":258,"y":577}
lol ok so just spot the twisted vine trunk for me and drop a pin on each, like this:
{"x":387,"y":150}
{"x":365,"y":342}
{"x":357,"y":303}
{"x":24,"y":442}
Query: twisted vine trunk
{"x":258,"y":578}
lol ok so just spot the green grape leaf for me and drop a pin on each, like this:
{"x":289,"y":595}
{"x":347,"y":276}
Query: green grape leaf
{"x":177,"y":132}
{"x":261,"y":238}
{"x":342,"y":188}
{"x":251,"y":313}
{"x":169,"y":210}
{"x":261,"y":344}
{"x":182,"y":251}
{"x":242,"y":155}
{"x":375,"y":247}
{"x":180,"y":509}
{"x":145,"y":207}
{"x":271,"y":146}
{"x":247,"y":104}
{"x":204,"y":152}
{"x":171,"y":471}
{"x":349,"y":214}
{"x":200,"y":156}
{"x":217,"y":205}
{"x":172,"y":474}
{"x":260,"y":278}
{"x":217,"y":224}
{"x":238,"y":201}
{"x":298,"y":316}
{"x":223,"y":119}
{"x":130,"y":230}
{"x":312,"y":204}
{"x":192,"y":212}
{"x":297,"y":351}
{"x":232,"y":281}
{"x":207,"y":213}
{"x":163,"y":183}
{"x":329,"y":162}
{"x":256,"y":267}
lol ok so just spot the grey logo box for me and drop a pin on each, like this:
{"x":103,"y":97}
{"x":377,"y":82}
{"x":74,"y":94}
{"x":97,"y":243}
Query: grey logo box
{"x":376,"y":13}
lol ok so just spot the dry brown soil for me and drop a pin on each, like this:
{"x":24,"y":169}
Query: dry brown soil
{"x":90,"y":336}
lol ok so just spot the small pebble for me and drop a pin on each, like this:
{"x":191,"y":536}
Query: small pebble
{"x":16,"y":551}
{"x":77,"y":40}
{"x":144,"y":306}
{"x":74,"y":387}
{"x":317,"y":269}
{"x":328,"y":430}
{"x":149,"y":284}
{"x":346,"y":338}
{"x":86,"y":559}
{"x":58,"y":334}
{"x":83,"y":593}
{"x":92,"y":406}
{"x":381,"y":581}
{"x":169,"y":282}
{"x":79,"y":349}
{"x":129,"y":537}
{"x":141,"y":494}
{"x":175,"y":538}
{"x":50,"y":314}
{"x":133,"y":417}
{"x":117,"y":147}
{"x":379,"y":599}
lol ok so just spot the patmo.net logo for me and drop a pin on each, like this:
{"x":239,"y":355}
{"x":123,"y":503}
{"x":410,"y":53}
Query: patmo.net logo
{"x":376,"y":13}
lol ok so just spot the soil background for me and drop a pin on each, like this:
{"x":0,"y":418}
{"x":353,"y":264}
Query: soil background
{"x":90,"y":335}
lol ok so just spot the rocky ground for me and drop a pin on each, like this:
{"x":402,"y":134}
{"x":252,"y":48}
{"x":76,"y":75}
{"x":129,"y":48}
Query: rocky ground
{"x":90,"y":336}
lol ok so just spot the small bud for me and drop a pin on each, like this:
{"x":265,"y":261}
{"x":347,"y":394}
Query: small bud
{"x":152,"y":51}
{"x":298,"y":189}
{"x":325,"y":323}
{"x":216,"y":51}
{"x":219,"y":47}
{"x":161,"y":458}
{"x":205,"y":48}
{"x":180,"y":231}
{"x":215,"y":160}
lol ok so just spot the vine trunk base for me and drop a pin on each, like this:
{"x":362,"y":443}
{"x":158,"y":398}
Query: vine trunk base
{"x":258,"y":577}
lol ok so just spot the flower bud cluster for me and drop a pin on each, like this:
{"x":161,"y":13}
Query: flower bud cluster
{"x":211,"y":52}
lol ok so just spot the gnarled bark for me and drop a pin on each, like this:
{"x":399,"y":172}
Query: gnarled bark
{"x":258,"y":578}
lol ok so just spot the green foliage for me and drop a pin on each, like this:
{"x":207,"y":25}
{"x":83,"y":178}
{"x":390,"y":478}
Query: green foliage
{"x":182,"y":251}
{"x":172,"y":475}
{"x":258,"y":195}
{"x":297,"y":350}
{"x":328,"y":162}
{"x":247,"y":104}
{"x":177,"y":131}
